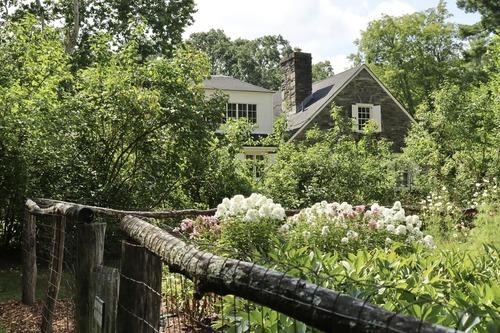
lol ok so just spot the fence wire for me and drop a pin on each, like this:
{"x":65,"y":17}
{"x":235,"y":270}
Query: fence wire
{"x":186,"y":308}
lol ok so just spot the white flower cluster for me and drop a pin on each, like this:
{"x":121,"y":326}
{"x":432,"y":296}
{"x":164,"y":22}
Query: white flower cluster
{"x":391,"y":220}
{"x":253,"y":208}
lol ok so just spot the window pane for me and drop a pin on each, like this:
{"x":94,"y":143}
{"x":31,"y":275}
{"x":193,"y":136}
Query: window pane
{"x":363,"y":116}
{"x":252,"y":113}
{"x":231,"y":110}
{"x":242,"y":111}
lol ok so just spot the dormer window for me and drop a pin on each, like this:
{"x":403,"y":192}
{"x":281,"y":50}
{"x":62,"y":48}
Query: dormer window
{"x":241,"y":110}
{"x":365,"y":112}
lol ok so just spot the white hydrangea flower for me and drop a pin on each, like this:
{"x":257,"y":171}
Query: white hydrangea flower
{"x":221,"y":210}
{"x":390,"y":228}
{"x":400,"y":230}
{"x":284,"y":229}
{"x":397,"y":205}
{"x":351,"y":234}
{"x":399,"y":216}
{"x":325,"y":230}
{"x":265,"y":211}
{"x":278,"y":212}
{"x":251,"y":215}
{"x":345,"y":207}
{"x":345,"y":240}
{"x":238,"y":198}
{"x":226,"y":202}
{"x":429,"y":240}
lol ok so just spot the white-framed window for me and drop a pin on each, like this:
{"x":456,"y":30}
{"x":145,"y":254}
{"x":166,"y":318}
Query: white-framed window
{"x":406,"y":179}
{"x":242,"y":110}
{"x":255,"y":163}
{"x":362,"y":113}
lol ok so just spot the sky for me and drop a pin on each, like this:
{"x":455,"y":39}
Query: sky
{"x":325,"y":28}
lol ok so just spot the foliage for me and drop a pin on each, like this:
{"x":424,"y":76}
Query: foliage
{"x":123,"y":131}
{"x":442,"y":216}
{"x":247,"y":223}
{"x":254,"y":61}
{"x":32,"y":78}
{"x":342,"y":228}
{"x":242,"y":316}
{"x":81,"y":22}
{"x":145,"y":127}
{"x":453,"y":288}
{"x":455,"y":143}
{"x":489,"y":10}
{"x":412,"y":54}
{"x":332,"y":165}
{"x":322,"y":70}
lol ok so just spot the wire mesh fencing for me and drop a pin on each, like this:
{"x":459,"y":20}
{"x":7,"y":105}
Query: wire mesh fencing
{"x":157,"y":281}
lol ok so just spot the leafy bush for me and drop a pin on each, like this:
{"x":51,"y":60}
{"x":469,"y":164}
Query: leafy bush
{"x":334,"y":227}
{"x":376,"y":253}
{"x":452,"y":287}
{"x":248,"y":223}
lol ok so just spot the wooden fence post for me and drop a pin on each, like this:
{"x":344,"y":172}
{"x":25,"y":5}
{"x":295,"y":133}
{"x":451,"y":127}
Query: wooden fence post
{"x":107,"y":280}
{"x":29,"y":258}
{"x":140,"y":290}
{"x":89,"y":256}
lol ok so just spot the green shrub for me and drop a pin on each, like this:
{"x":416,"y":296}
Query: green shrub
{"x":334,"y":227}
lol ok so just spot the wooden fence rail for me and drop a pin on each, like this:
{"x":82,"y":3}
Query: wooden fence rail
{"x":317,"y":307}
{"x":128,"y":299}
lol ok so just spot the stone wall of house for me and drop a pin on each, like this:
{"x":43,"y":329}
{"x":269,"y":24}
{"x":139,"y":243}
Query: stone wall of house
{"x":296,"y":80}
{"x":365,"y":89}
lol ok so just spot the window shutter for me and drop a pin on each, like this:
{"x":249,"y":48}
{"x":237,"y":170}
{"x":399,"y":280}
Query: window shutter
{"x":376,"y":114}
{"x":354,"y":115}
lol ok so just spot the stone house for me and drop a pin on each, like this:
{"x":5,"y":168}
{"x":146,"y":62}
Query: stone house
{"x":357,"y":91}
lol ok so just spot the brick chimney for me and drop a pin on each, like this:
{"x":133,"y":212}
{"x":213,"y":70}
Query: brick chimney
{"x":296,"y":80}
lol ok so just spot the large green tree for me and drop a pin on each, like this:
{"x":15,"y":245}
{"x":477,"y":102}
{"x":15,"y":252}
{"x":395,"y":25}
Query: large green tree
{"x":123,"y":131}
{"x":413,"y":54}
{"x":33,"y":141}
{"x":489,"y":10}
{"x":81,"y":21}
{"x":322,"y":70}
{"x":456,"y":141}
{"x":254,"y":61}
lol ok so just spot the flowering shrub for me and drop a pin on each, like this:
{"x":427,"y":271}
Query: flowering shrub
{"x":249,"y":223}
{"x":251,"y":209}
{"x":201,"y":227}
{"x":487,"y":196}
{"x":486,"y":200}
{"x":240,"y":223}
{"x":342,"y":227}
{"x":441,"y":215}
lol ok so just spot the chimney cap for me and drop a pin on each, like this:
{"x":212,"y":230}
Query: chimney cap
{"x":295,"y":54}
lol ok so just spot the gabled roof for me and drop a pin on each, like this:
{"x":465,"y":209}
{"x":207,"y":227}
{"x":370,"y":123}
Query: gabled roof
{"x":323,"y":92}
{"x":222,"y":82}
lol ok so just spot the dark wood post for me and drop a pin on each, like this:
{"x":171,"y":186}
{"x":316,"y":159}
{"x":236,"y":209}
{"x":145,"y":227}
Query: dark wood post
{"x":29,"y":258}
{"x":89,"y":256}
{"x":107,"y":281}
{"x":56,"y":267}
{"x":140,"y":290}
